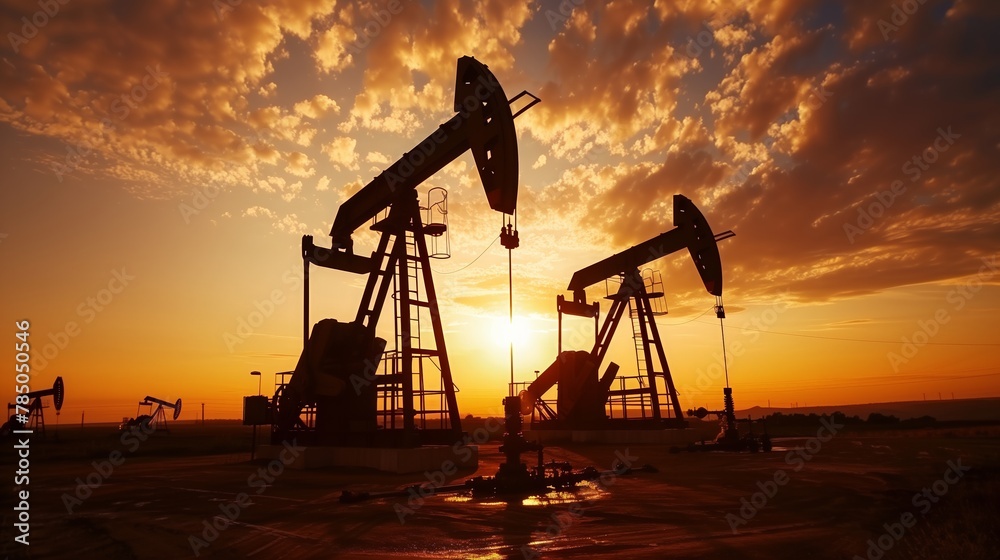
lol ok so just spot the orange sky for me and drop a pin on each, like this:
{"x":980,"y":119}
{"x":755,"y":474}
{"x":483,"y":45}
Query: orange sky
{"x":158,"y":221}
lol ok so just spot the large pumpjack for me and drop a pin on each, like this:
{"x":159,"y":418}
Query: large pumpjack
{"x":587,"y":400}
{"x":356,"y":392}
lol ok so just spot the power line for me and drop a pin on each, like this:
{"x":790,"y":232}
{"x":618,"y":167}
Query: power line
{"x":924,"y":376}
{"x":702,"y":314}
{"x":873,"y":341}
{"x":847,"y":385}
{"x":473,"y":260}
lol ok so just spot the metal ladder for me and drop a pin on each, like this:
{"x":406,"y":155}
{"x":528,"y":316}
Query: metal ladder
{"x":425,"y":397}
{"x":642,"y":367}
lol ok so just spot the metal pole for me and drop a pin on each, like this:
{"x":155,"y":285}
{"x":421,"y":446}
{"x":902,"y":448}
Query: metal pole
{"x":596,"y":321}
{"x":305,"y":300}
{"x":510,"y":301}
{"x":725,"y":359}
{"x":559,"y":315}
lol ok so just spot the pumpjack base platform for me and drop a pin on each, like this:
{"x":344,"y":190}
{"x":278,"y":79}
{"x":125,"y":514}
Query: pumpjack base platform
{"x":390,"y":460}
{"x":665,"y":436}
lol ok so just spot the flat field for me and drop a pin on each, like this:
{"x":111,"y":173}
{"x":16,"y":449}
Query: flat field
{"x":809,"y":498}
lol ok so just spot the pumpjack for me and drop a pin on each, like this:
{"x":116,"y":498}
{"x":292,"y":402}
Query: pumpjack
{"x":730,"y":438}
{"x":347,"y":388}
{"x":154,"y":419}
{"x":34,"y":415}
{"x":649,"y":399}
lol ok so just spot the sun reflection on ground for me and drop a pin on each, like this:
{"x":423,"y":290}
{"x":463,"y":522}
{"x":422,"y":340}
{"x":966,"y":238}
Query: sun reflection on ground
{"x":586,"y":491}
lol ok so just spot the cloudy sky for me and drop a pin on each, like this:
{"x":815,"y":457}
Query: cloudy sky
{"x":162,"y":160}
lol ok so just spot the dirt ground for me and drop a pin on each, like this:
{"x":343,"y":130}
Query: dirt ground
{"x":807,"y":499}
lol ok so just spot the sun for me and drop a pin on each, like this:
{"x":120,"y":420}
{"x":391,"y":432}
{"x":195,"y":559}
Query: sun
{"x":504,"y":334}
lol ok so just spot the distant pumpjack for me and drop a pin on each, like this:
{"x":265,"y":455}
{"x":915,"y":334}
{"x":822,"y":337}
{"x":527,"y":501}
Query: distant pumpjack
{"x":156,"y":419}
{"x":730,"y":439}
{"x":584,"y":398}
{"x":338,"y":384}
{"x":35,"y":410}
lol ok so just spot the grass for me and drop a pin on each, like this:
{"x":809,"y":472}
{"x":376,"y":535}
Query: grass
{"x":964,"y":525}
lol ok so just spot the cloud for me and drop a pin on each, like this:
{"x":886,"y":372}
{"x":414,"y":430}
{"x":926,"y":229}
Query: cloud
{"x":300,"y":165}
{"x":164,"y":87}
{"x":258,"y":212}
{"x":278,"y":185}
{"x":267,"y":90}
{"x":377,"y":158}
{"x":332,"y":52}
{"x":292,"y":191}
{"x":289,"y":223}
{"x":765,"y":84}
{"x":317,"y":107}
{"x":789,"y":145}
{"x":610,"y":75}
{"x":787,"y":123}
{"x":275,"y":124}
{"x":270,"y":184}
{"x":425,"y":42}
{"x":341,"y":152}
